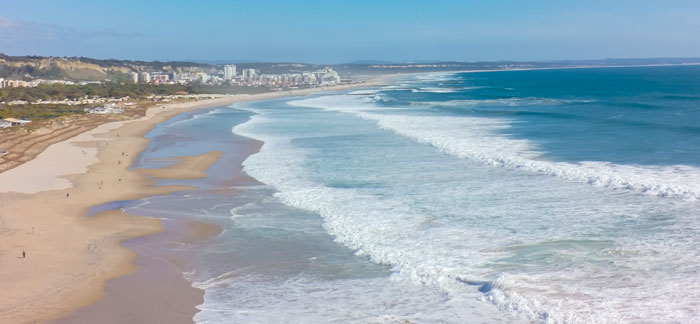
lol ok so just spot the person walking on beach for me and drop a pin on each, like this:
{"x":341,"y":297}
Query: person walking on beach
{"x":24,"y":254}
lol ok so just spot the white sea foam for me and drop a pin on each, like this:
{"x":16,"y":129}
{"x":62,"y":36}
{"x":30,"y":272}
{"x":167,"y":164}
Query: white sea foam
{"x":513,"y":102}
{"x":235,"y":298}
{"x":435,"y":90}
{"x":192,"y":118}
{"x":481,"y":139}
{"x":468,"y":103}
{"x":433,"y":76}
{"x":363,"y":92}
{"x":235,"y":212}
{"x":459,"y":257}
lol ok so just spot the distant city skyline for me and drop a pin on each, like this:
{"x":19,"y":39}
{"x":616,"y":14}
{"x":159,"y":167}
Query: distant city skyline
{"x":328,"y":32}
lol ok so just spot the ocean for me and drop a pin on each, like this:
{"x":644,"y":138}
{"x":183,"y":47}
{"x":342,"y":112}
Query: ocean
{"x":541,"y":196}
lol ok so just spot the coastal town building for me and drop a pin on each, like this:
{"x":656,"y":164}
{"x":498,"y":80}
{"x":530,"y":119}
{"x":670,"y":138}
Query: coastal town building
{"x":18,"y":84}
{"x":229,"y":72}
{"x":202,"y":77}
{"x":78,"y":101}
{"x":144,"y":77}
{"x":134,"y":77}
{"x":247,"y":74}
{"x":159,"y":77}
{"x":17,"y":122}
{"x":107,"y":109}
{"x":7,"y":83}
{"x":5,"y":123}
{"x":327,"y":76}
{"x":184,"y":78}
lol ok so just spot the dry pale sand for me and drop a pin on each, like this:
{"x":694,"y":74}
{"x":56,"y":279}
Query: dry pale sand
{"x":44,"y":205}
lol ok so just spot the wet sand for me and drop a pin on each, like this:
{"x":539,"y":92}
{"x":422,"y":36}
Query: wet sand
{"x":157,"y":291}
{"x":184,"y":167}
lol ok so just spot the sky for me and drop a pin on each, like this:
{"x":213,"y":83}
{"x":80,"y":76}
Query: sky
{"x":345,"y":31}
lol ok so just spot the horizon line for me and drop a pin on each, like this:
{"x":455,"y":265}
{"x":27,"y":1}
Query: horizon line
{"x":358,"y":61}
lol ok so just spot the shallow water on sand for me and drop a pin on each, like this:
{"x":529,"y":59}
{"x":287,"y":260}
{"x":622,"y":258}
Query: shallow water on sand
{"x":273,"y":262}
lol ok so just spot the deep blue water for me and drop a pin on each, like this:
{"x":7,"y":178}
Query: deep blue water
{"x":641,"y":115}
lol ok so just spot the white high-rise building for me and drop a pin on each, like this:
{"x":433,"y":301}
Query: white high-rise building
{"x":145,"y":77}
{"x":202,"y":77}
{"x":229,"y":71}
{"x":327,"y":76}
{"x":248,"y":74}
{"x":134,"y":77}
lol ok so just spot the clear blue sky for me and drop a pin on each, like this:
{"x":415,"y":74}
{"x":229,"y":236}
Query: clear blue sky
{"x":342,"y":31}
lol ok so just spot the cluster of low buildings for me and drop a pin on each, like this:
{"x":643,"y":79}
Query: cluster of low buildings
{"x":168,"y":78}
{"x":69,"y":102}
{"x":152,"y":77}
{"x":9,"y":122}
{"x":8,"y":83}
{"x":230,"y":75}
{"x":111,"y":108}
{"x":247,"y":77}
{"x":167,"y":98}
{"x":325,"y":77}
{"x":17,"y":83}
{"x":118,"y":107}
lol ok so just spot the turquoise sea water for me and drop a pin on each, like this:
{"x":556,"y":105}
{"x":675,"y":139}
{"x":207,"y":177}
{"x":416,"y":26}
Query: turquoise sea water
{"x":550,"y":196}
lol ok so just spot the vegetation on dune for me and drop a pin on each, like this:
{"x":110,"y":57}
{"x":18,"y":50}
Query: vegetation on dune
{"x":33,"y":112}
{"x":157,"y":65}
{"x":115,"y":90}
{"x":109,"y":90}
{"x":72,"y":92}
{"x":21,"y":72}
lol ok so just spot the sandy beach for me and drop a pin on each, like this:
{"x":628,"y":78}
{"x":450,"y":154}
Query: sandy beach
{"x":68,"y":256}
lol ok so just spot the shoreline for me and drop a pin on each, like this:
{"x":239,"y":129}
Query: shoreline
{"x":76,"y":158}
{"x":71,"y":257}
